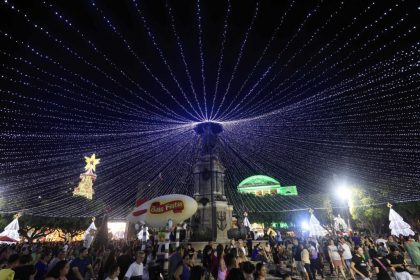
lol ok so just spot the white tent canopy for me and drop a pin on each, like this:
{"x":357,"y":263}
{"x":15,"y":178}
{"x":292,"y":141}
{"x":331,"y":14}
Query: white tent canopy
{"x":397,"y":224}
{"x":315,"y":228}
{"x":12,"y":230}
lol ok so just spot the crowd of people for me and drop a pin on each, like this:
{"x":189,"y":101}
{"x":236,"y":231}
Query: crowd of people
{"x":306,"y":258}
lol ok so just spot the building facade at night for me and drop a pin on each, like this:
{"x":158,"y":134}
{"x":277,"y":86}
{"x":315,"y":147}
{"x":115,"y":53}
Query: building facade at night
{"x":261,"y":185}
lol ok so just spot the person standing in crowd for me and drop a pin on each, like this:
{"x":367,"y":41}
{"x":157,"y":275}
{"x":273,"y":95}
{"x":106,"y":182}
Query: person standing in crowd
{"x":391,"y":242}
{"x":111,"y":261}
{"x":336,"y":259}
{"x":261,"y":271}
{"x":124,"y":262}
{"x":197,"y":273}
{"x":7,"y":272}
{"x":59,"y":271}
{"x":249,"y":244}
{"x":183,"y":270}
{"x":325,"y":253}
{"x":135,"y":271}
{"x":113,"y":272}
{"x":279,"y":240}
{"x":304,"y":255}
{"x":190,"y":251}
{"x":230,"y":261}
{"x":80,"y":265}
{"x":356,"y":239}
{"x":381,"y":266}
{"x":61,"y":256}
{"x":174,"y":260}
{"x":347,"y":256}
{"x":315,"y":265}
{"x":220,"y":273}
{"x":5,"y":253}
{"x":248,"y":270}
{"x":42,"y":266}
{"x":36,"y":253}
{"x":297,"y":257}
{"x":207,"y":253}
{"x":25,"y":270}
{"x":66,"y":247}
{"x":254,"y":253}
{"x":399,"y":264}
{"x":242,"y":249}
{"x":413,"y":249}
{"x":235,"y":274}
{"x":359,"y":265}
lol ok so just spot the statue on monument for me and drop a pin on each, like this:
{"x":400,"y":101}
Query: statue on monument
{"x":208,"y":132}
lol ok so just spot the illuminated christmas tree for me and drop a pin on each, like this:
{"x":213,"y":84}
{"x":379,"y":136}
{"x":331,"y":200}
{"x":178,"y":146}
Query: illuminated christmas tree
{"x":85,"y":187}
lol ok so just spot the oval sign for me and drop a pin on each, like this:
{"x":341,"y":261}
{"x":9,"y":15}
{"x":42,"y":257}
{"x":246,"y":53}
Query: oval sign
{"x":157,"y":211}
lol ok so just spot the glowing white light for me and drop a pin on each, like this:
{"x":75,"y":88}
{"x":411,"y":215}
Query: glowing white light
{"x":304,"y":225}
{"x":343,"y":191}
{"x":117,"y":229}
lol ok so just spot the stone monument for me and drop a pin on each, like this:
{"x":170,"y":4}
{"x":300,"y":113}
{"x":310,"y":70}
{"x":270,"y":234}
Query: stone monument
{"x":214,"y":216}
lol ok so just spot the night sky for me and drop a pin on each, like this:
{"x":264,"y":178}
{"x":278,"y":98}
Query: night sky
{"x":312,"y":93}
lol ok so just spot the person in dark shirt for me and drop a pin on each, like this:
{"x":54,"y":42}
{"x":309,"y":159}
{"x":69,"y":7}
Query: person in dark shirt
{"x":249,"y":244}
{"x":207,"y":256}
{"x":42,"y":266}
{"x":381,"y":265}
{"x":356,"y":239}
{"x":79,"y":266}
{"x":25,"y":270}
{"x":124,"y":262}
{"x":398,"y":263}
{"x":174,"y":260}
{"x":359,"y":265}
{"x":190,"y":251}
{"x":297,"y":257}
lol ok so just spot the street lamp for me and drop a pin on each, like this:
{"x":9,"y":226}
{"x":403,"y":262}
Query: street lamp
{"x":343,"y":192}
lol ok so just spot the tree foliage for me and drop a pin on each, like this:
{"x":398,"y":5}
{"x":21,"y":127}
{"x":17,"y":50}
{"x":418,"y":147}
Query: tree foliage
{"x":366,"y":214}
{"x":35,"y":227}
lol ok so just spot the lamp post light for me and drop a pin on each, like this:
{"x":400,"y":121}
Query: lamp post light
{"x":343,"y":192}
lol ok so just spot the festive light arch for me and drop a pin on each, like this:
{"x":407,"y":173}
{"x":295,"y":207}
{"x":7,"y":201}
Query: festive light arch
{"x":304,"y":91}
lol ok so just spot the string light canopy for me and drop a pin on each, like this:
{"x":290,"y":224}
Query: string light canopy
{"x":304,"y":91}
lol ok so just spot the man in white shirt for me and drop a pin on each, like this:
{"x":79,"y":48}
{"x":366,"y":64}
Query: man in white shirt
{"x":136,"y":268}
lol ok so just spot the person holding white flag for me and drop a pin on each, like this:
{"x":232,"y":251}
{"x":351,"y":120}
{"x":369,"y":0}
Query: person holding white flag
{"x":89,"y":234}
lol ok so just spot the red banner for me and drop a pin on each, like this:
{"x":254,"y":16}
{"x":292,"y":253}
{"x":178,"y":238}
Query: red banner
{"x":176,"y":206}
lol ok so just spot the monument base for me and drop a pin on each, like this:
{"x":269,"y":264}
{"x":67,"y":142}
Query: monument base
{"x":202,"y":224}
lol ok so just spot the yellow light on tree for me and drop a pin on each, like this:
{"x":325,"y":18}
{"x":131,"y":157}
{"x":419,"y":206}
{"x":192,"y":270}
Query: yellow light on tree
{"x":85,"y":187}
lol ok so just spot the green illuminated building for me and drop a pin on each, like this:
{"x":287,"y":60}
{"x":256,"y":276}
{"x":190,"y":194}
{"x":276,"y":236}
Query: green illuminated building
{"x":260,"y":185}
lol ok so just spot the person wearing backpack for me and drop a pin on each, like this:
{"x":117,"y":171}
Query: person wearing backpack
{"x":381,"y":266}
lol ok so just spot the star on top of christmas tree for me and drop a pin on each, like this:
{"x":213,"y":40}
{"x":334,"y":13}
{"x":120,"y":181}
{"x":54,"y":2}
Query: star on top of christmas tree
{"x":91,"y":162}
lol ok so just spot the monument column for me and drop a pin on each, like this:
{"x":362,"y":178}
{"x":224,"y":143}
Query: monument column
{"x":214,"y":216}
